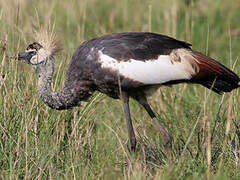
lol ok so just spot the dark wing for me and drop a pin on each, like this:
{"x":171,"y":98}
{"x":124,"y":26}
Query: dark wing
{"x":144,"y":58}
{"x":138,"y":45}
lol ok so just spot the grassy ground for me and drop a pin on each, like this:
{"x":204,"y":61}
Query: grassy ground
{"x":90,"y":142}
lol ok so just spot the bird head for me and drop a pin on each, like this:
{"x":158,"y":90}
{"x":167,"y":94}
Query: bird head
{"x":42,"y":50}
{"x":34,"y":54}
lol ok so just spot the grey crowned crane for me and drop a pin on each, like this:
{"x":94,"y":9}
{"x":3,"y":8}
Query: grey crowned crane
{"x":124,"y":65}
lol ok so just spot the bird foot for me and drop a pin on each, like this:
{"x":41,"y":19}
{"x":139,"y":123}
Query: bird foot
{"x":132,"y":146}
{"x":167,"y":143}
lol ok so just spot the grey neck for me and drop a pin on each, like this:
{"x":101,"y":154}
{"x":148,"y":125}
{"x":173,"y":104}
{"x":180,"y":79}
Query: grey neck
{"x":69,"y":96}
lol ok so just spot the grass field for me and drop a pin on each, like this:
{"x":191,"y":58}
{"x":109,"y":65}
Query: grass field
{"x":90,"y":142}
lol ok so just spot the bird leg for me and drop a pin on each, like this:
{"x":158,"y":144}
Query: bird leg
{"x":167,"y":139}
{"x":131,"y":133}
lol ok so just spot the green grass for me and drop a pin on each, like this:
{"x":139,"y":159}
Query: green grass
{"x":90,"y":141}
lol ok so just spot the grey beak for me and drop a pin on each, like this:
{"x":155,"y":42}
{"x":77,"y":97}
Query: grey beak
{"x":26,"y":56}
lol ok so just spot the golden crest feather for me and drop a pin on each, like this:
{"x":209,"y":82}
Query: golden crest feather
{"x":49,"y":41}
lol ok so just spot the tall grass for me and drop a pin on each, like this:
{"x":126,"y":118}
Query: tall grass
{"x":90,"y":141}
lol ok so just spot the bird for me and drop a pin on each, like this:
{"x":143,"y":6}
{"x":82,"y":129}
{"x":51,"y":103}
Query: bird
{"x":122,"y":66}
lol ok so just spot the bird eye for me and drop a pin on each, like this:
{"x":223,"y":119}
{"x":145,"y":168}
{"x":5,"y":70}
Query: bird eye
{"x":32,"y":53}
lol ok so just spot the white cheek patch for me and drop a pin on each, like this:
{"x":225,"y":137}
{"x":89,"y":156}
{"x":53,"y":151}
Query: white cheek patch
{"x":155,"y":71}
{"x":36,"y":59}
{"x":39,"y":57}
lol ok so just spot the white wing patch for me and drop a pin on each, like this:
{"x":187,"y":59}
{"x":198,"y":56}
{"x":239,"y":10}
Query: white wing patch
{"x":155,"y":71}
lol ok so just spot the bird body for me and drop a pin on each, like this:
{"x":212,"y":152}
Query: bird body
{"x":142,"y":60}
{"x":129,"y":58}
{"x":134,"y":62}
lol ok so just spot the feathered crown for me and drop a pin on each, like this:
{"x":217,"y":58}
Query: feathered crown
{"x":49,"y":41}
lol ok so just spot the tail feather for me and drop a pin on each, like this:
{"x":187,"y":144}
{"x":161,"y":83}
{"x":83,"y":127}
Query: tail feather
{"x":214,"y":75}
